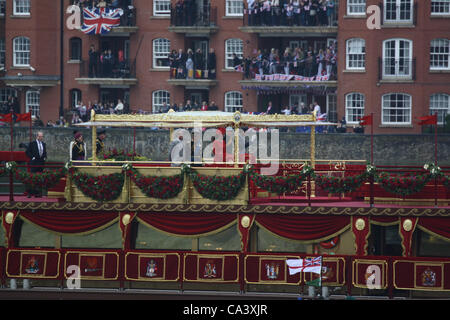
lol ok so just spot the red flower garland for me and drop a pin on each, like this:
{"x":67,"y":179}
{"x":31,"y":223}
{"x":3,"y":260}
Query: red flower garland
{"x":402,"y":185}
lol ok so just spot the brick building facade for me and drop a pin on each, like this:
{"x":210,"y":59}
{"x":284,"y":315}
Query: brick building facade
{"x":397,"y":72}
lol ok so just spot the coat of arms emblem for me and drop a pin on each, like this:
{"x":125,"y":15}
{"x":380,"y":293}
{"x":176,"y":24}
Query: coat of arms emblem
{"x":429,"y":278}
{"x":272,"y":270}
{"x":151,"y":269}
{"x":210,"y":270}
{"x":32,"y":266}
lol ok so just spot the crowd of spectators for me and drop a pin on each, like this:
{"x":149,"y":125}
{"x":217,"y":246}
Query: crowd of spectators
{"x":107,"y":65}
{"x":192,"y":65}
{"x":291,"y":12}
{"x":306,"y":63}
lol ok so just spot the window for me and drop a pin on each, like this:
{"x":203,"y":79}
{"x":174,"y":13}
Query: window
{"x":33,"y":102}
{"x":22,"y":7}
{"x":398,"y":10}
{"x":75,"y":49}
{"x":396,"y":108}
{"x":5,"y":93}
{"x":332,"y":108}
{"x":75,"y":97}
{"x":296,"y":100}
{"x":161,"y":7}
{"x":440,"y":7}
{"x":2,"y":52}
{"x":158,"y":99}
{"x":21,"y":53}
{"x":2,"y":7}
{"x":356,"y":7}
{"x":397,"y":58}
{"x":234,"y":8}
{"x":440,"y":104}
{"x":233,"y":101}
{"x":354,"y":107}
{"x":356,"y":54}
{"x":440,"y":54}
{"x":161,"y":50}
{"x":233,"y":46}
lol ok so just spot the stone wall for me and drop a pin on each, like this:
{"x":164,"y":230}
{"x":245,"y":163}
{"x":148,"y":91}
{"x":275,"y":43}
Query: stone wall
{"x":388,"y":150}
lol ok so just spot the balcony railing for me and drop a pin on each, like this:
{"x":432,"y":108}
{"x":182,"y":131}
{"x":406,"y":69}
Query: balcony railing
{"x":118,"y":70}
{"x":128,"y":19}
{"x":204,"y":16}
{"x":396,"y":69}
{"x":279,"y":18}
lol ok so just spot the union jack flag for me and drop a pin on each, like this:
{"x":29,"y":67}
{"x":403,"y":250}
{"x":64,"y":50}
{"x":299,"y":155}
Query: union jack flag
{"x":100,"y":20}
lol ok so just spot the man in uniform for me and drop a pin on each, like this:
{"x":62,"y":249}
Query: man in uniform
{"x":100,"y":147}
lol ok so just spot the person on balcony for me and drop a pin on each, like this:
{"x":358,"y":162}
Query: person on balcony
{"x":251,"y":12}
{"x":204,"y":106}
{"x":190,"y":65}
{"x":276,"y":12}
{"x":330,"y":11}
{"x":180,"y":61}
{"x":199,"y":63}
{"x":93,"y":62}
{"x":119,"y":107}
{"x":211,"y":64}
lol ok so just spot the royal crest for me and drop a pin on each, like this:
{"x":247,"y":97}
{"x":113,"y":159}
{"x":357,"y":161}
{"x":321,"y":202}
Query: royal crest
{"x":428,"y":278}
{"x":32,"y":266}
{"x":210,"y":270}
{"x":151,"y":269}
{"x":272,"y":270}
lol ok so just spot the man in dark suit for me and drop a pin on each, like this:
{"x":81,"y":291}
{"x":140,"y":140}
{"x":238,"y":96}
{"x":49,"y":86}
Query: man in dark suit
{"x":37,"y":152}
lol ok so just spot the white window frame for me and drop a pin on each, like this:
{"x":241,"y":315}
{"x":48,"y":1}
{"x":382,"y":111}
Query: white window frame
{"x":386,"y":106}
{"x":75,"y":96}
{"x":158,"y":53}
{"x":21,"y":52}
{"x":33,"y":102}
{"x":20,"y":7}
{"x":444,"y":4}
{"x":233,"y":45}
{"x":354,"y":107}
{"x":234,"y":8}
{"x":356,"y":7}
{"x":233,"y":101}
{"x":158,"y":99}
{"x":332,"y":107}
{"x":440,"y":104}
{"x":359,"y":51}
{"x":399,"y":68}
{"x":158,"y":8}
{"x":398,"y":12}
{"x":445,"y":46}
{"x":6,"y":92}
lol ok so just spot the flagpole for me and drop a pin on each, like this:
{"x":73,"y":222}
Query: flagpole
{"x":435,"y":162}
{"x":11,"y":158}
{"x":371,"y":139}
{"x":321,"y":262}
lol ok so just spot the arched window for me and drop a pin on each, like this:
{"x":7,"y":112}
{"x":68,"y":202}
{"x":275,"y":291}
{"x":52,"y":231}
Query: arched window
{"x":233,"y":101}
{"x":396,"y":108}
{"x":354,"y":107}
{"x":233,"y":46}
{"x":356,"y":54}
{"x":21,"y":52}
{"x":440,"y":104}
{"x":440,"y":54}
{"x":158,"y":99}
{"x":75,"y":49}
{"x":33,"y":102}
{"x":161,"y":51}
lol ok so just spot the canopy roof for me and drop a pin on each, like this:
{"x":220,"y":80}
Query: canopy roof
{"x":201,"y":119}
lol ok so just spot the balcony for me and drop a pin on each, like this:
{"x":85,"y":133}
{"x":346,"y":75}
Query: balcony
{"x":120,"y":75}
{"x":202,"y":25}
{"x":280,"y":26}
{"x":396,"y":70}
{"x":198,"y":80}
{"x":127,"y":24}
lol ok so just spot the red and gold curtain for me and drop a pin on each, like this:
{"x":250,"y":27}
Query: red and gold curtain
{"x":74,"y":223}
{"x":439,"y":227}
{"x":406,"y":230}
{"x":361,"y":231}
{"x":304,"y":228}
{"x":188,"y":225}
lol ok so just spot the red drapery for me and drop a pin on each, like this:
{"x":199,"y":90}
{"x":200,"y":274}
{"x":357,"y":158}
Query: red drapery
{"x":304,"y":228}
{"x":437,"y":226}
{"x":361,"y":231}
{"x":71,"y":222}
{"x":406,"y":230}
{"x":244,"y":225}
{"x":192,"y":224}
